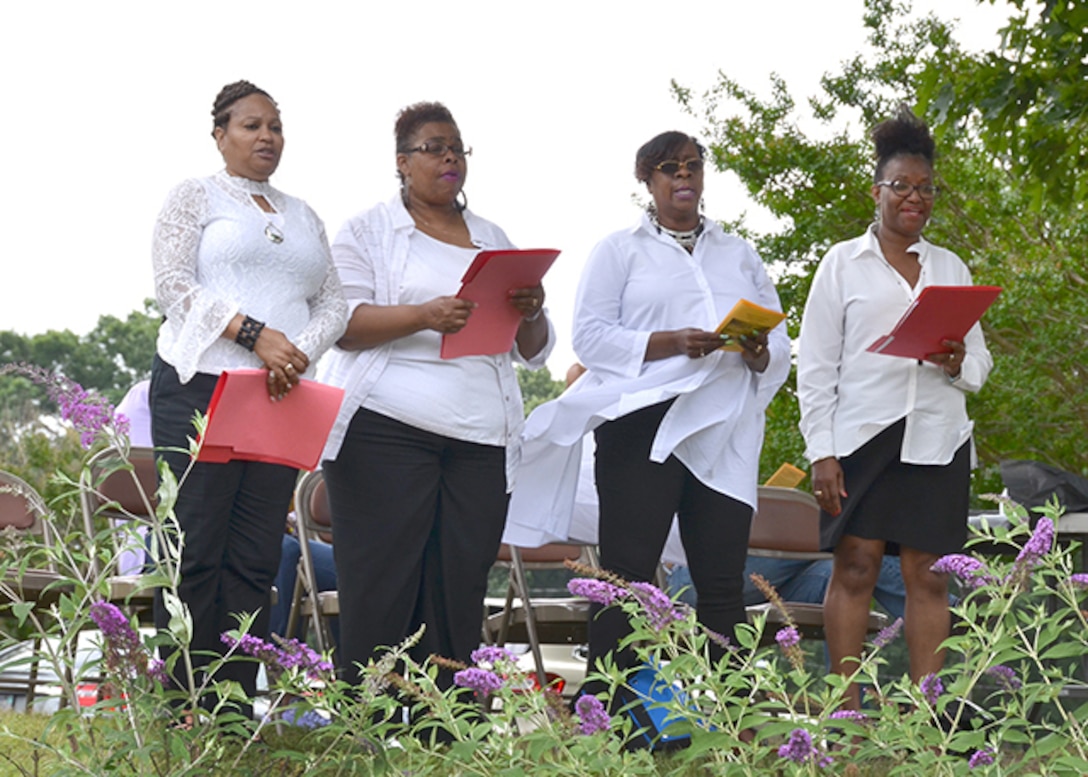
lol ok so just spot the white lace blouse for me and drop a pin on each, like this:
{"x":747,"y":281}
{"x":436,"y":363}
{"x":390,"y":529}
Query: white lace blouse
{"x":213,"y":258}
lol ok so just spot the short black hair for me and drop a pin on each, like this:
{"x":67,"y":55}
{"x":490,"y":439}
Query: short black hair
{"x":904,"y":134}
{"x":228,"y":96}
{"x":664,"y":146}
{"x":410,"y":119}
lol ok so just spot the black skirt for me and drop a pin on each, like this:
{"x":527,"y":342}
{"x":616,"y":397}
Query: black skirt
{"x":914,"y":505}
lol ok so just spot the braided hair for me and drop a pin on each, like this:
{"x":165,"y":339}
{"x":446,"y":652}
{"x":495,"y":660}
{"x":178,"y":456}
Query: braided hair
{"x":228,"y":96}
{"x":904,"y":134}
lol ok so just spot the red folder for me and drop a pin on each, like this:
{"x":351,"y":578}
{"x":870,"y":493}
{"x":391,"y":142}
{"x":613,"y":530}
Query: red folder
{"x":243,"y":423}
{"x":939,"y":313}
{"x":488,"y":281}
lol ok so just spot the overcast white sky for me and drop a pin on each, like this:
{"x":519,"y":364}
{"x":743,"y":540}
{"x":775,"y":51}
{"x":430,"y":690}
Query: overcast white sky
{"x":107,"y":107}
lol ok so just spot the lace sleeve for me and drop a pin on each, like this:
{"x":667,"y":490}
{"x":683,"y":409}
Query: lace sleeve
{"x":328,"y":310}
{"x":196,"y":317}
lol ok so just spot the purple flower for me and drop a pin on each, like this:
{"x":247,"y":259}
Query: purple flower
{"x":1005,"y":676}
{"x":982,"y":757}
{"x":968,"y":569}
{"x":852,"y":715}
{"x":291,"y":654}
{"x":1079,"y":580}
{"x":932,"y":688}
{"x":482,"y":681}
{"x":87,"y":411}
{"x":799,"y":747}
{"x":489,"y":654}
{"x":592,"y":714}
{"x":595,"y":590}
{"x":1041,"y":543}
{"x":887,"y":635}
{"x":660,"y":609}
{"x":787,"y":637}
{"x":123,"y":651}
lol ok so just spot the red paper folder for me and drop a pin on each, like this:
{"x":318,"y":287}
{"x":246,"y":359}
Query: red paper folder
{"x":488,"y":281}
{"x":939,"y":313}
{"x":243,"y":423}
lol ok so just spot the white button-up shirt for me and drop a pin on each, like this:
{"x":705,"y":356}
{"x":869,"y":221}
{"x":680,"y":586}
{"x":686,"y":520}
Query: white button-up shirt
{"x":849,"y":395}
{"x":636,"y":282}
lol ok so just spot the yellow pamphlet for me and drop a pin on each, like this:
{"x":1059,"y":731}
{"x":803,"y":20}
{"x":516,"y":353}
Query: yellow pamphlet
{"x":747,"y":319}
{"x":786,"y":476}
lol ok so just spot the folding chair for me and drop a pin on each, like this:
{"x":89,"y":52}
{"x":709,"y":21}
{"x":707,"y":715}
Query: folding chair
{"x":23,"y":510}
{"x":126,"y":493}
{"x":314,"y":523}
{"x":523,"y":618}
{"x":786,"y":525}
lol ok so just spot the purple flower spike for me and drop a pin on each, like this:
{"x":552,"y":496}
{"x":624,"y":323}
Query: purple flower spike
{"x":660,"y":609}
{"x":1079,"y":580}
{"x":932,"y":688}
{"x":1041,"y":543}
{"x":968,"y":569}
{"x":887,"y":635}
{"x":1005,"y":676}
{"x":787,"y":637}
{"x":853,"y":715}
{"x":595,"y":590}
{"x":592,"y":714}
{"x":981,"y":758}
{"x":292,"y":654}
{"x":123,"y":651}
{"x":799,"y":748}
{"x":489,"y":654}
{"x":87,"y":411}
{"x":479,"y":680}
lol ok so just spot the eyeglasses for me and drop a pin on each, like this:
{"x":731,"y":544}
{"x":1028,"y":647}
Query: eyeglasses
{"x":901,"y":188}
{"x":439,"y":148}
{"x":672,"y":167}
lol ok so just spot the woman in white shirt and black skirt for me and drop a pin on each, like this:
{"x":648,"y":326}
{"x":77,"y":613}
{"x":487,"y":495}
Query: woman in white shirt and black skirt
{"x":889,"y":438}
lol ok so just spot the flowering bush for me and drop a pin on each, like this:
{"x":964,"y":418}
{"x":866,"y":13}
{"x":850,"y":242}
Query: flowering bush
{"x":1003,"y":704}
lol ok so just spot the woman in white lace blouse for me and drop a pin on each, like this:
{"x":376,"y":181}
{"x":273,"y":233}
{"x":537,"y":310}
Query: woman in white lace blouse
{"x":245,"y":280}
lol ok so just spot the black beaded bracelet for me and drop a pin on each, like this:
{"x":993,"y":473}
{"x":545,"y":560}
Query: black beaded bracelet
{"x":248,"y":333}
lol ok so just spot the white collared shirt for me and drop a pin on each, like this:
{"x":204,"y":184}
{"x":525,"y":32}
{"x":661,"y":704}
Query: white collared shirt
{"x":371,"y":254}
{"x":849,"y":395}
{"x":636,"y":282}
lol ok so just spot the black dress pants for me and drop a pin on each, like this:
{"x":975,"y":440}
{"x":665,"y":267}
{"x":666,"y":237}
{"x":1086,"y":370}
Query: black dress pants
{"x":638,"y":499}
{"x":417,"y":521}
{"x":232,"y":517}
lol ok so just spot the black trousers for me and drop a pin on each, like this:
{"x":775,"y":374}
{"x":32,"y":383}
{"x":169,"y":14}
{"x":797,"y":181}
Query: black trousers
{"x":638,"y":499}
{"x":417,"y":520}
{"x":232,"y":518}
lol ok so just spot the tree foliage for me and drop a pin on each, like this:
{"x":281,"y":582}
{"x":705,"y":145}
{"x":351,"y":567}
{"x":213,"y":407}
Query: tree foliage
{"x":1011,"y":166}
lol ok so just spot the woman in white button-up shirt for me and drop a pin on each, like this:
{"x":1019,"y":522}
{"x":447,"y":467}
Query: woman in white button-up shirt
{"x":889,"y":438}
{"x":678,"y":422}
{"x":422,"y":454}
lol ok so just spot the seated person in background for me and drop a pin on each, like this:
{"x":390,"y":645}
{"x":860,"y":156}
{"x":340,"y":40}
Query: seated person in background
{"x":324,"y":570}
{"x":798,"y":580}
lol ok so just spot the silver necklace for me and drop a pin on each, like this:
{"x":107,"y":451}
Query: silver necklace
{"x":686,"y":238}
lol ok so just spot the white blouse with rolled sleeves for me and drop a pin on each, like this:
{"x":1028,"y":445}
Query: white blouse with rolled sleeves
{"x":636,"y":282}
{"x":849,"y":395}
{"x":213,"y":259}
{"x":383,"y":259}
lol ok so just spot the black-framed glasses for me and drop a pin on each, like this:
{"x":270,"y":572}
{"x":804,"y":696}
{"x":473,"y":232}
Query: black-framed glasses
{"x":672,"y":166}
{"x":901,"y":188}
{"x":439,"y":148}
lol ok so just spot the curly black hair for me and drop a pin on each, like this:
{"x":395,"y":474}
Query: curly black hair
{"x":228,"y":96}
{"x":904,"y":134}
{"x":664,"y":146}
{"x":412,"y":118}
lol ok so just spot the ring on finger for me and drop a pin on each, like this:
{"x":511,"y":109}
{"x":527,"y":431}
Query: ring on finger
{"x":289,"y":366}
{"x":818,"y":493}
